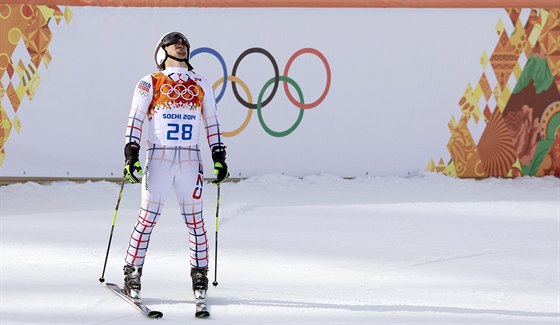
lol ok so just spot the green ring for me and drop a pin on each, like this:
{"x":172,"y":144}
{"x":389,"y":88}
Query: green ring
{"x":259,"y":104}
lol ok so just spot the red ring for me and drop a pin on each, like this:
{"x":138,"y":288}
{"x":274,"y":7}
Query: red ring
{"x":327,"y":68}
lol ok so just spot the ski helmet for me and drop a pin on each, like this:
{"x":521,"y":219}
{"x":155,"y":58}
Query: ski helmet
{"x":160,"y":54}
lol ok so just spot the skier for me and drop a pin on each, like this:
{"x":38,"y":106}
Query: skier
{"x":176,"y":102}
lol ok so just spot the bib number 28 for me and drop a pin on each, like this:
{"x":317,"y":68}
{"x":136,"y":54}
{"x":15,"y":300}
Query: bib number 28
{"x":179,"y":131}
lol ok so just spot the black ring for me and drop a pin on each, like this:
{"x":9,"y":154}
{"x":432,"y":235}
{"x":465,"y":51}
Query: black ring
{"x":276,"y":77}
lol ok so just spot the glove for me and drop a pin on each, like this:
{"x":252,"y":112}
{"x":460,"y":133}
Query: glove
{"x":132,"y":163}
{"x":220,"y":166}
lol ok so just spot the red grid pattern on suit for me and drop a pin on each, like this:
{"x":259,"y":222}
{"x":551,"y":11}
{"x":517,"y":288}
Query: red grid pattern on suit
{"x":198,"y":241}
{"x":140,"y":237}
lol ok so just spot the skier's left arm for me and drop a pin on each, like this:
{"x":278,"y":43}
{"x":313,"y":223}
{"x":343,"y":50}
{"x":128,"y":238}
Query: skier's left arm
{"x":213,"y":134}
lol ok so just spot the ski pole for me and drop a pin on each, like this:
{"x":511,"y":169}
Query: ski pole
{"x":215,"y":283}
{"x":102,"y":278}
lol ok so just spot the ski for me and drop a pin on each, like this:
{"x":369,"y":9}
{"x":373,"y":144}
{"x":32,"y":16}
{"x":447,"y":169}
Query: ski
{"x":200,"y":302}
{"x":135,"y":302}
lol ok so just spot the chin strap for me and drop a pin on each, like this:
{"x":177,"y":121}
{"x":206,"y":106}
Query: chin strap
{"x":177,"y":59}
{"x":186,"y":60}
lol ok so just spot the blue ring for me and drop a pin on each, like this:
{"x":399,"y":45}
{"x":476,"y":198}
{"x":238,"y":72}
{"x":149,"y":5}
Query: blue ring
{"x":222,"y":62}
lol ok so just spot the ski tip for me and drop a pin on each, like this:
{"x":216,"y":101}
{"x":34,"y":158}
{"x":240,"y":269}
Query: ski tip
{"x":202,"y":314}
{"x":155,"y":314}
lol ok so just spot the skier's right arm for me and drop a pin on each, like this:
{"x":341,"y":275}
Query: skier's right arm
{"x":140,"y":105}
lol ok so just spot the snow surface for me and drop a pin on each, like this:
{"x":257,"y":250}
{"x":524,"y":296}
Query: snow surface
{"x":318,"y":250}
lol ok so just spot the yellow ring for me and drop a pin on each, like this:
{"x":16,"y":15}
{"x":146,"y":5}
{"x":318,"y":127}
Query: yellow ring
{"x":14,"y":35}
{"x":549,"y":112}
{"x":7,"y":61}
{"x":26,"y":6}
{"x":249,"y":99}
{"x":9,"y":11}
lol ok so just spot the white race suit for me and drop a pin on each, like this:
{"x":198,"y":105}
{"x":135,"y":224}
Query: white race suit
{"x":175,"y":102}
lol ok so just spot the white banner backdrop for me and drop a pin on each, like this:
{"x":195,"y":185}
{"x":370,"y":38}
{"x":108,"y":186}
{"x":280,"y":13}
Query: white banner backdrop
{"x":396,"y":78}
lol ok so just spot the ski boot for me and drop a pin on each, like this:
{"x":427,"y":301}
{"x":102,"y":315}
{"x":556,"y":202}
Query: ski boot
{"x":199,"y":286}
{"x":132,"y":284}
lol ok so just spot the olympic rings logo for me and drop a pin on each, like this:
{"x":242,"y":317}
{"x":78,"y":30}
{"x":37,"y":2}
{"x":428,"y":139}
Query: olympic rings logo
{"x":179,"y":90}
{"x":142,"y":92}
{"x":274,"y":82}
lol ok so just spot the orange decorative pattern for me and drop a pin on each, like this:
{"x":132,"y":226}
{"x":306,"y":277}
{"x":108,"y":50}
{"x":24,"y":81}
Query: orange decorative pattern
{"x":469,"y":103}
{"x":30,"y":25}
{"x":550,"y":44}
{"x":551,"y":163}
{"x":464,"y":151}
{"x":503,"y":59}
{"x":485,"y":86}
{"x":522,"y":132}
{"x":495,"y":147}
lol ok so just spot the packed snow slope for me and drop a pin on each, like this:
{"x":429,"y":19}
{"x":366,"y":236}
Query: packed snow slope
{"x":319,"y":250}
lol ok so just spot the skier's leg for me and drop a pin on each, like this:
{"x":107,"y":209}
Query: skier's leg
{"x":155,"y":188}
{"x":188,"y":188}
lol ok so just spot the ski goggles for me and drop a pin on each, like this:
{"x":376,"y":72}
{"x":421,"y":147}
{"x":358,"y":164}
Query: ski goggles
{"x":173,"y":38}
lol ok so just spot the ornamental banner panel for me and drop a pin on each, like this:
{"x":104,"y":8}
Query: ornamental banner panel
{"x":469,"y":92}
